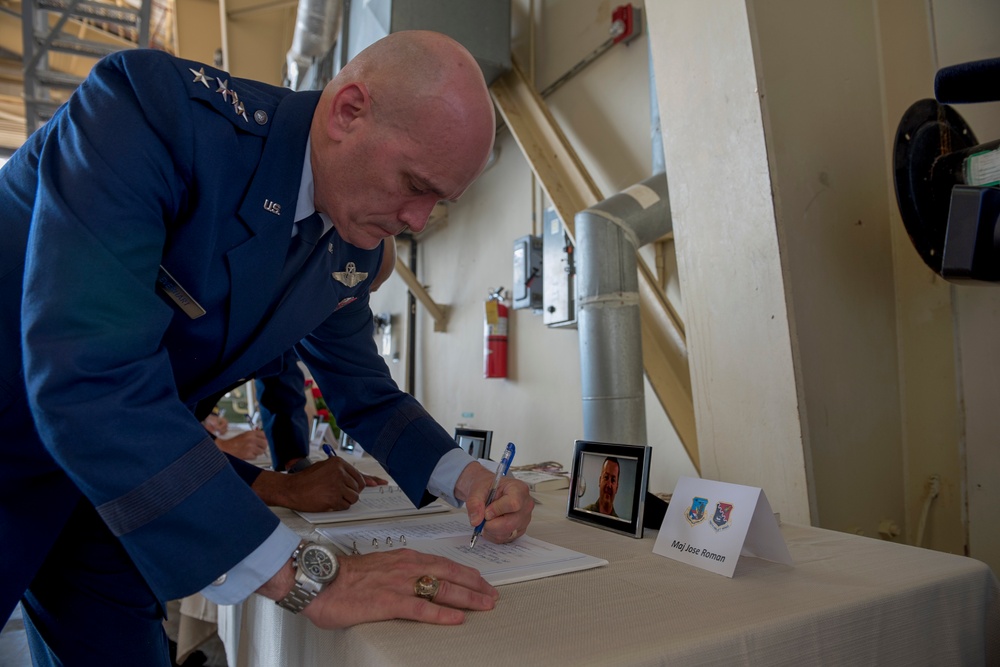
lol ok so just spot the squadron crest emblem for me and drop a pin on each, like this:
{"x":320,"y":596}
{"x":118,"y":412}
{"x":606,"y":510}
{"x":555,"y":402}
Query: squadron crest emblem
{"x":720,"y":520}
{"x":696,"y":512}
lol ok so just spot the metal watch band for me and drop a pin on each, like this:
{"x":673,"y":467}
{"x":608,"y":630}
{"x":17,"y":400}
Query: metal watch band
{"x":297,"y":599}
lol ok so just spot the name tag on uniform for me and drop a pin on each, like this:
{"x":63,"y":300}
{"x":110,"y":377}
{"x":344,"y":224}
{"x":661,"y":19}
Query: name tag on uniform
{"x":166,"y":283}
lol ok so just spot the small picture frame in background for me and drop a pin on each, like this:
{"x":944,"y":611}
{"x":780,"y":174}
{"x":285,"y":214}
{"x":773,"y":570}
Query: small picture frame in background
{"x":608,"y":486}
{"x":475,"y":442}
{"x":347,"y":443}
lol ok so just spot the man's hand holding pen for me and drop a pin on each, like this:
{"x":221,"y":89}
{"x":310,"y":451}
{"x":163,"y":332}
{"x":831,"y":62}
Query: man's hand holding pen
{"x":507,"y":516}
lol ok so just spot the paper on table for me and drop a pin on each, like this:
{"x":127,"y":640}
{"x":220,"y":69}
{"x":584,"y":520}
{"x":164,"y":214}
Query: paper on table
{"x":376,"y":502}
{"x":521,"y":560}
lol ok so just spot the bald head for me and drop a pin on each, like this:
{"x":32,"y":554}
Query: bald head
{"x":412,"y":68}
{"x":410,"y":115}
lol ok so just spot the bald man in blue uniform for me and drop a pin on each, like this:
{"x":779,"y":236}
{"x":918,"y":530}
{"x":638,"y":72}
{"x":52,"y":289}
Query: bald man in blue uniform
{"x":170,"y":232}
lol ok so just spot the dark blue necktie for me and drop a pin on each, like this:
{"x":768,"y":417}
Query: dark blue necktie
{"x":299,"y":248}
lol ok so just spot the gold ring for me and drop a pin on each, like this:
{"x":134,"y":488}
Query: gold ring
{"x":426,"y":587}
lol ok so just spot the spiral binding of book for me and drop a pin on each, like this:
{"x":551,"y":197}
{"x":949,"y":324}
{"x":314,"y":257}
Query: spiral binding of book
{"x":389,"y":543}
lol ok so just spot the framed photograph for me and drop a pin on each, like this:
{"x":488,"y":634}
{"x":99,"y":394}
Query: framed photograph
{"x":608,"y":486}
{"x":474,"y":441}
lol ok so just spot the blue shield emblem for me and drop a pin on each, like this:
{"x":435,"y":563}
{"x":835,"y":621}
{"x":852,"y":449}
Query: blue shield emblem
{"x":696,"y":512}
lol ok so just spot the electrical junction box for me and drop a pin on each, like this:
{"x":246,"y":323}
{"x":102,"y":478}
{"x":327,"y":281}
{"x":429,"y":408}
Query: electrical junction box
{"x":527,"y":292}
{"x":559,"y":271}
{"x":482,"y":27}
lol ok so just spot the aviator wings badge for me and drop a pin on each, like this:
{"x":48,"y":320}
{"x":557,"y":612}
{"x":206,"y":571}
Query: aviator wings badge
{"x":350,"y":276}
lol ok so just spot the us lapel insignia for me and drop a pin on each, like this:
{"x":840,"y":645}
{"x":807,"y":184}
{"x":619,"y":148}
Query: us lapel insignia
{"x":350,"y":276}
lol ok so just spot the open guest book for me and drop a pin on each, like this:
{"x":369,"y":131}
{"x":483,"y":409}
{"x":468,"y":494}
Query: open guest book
{"x":449,"y":535}
{"x":376,"y":502}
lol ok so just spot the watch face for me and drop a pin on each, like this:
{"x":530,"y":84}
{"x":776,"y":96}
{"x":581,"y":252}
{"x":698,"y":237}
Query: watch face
{"x":318,"y":563}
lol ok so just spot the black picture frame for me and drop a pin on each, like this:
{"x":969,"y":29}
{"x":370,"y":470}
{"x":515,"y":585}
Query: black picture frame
{"x":629,"y":501}
{"x":475,"y":442}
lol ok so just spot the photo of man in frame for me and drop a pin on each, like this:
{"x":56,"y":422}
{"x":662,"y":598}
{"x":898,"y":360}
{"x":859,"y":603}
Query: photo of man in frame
{"x":609,"y":486}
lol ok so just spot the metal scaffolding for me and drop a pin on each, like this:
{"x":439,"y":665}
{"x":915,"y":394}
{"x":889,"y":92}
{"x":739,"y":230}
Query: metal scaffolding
{"x":44,"y":31}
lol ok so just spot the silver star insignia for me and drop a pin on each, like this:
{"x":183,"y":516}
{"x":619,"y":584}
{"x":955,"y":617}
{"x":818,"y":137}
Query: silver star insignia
{"x":223,"y":88}
{"x":200,"y":77}
{"x":350,"y":276}
{"x":240,"y":110}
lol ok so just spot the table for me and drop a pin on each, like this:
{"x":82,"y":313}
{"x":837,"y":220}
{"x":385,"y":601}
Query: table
{"x":848,"y":600}
{"x":192,"y":623}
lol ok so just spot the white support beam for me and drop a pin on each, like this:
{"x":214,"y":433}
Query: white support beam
{"x":737,"y":323}
{"x":438,"y":312}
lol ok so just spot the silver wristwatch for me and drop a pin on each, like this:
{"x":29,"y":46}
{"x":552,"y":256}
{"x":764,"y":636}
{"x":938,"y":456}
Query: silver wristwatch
{"x":315,"y":567}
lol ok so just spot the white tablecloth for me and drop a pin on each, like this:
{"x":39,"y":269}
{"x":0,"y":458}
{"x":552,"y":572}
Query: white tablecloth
{"x":848,"y":600}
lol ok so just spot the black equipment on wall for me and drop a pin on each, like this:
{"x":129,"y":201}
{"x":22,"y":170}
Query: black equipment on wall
{"x":948,"y":184}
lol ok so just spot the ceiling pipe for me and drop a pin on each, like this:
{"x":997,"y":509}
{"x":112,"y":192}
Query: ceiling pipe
{"x":608,"y":236}
{"x":316,"y":26}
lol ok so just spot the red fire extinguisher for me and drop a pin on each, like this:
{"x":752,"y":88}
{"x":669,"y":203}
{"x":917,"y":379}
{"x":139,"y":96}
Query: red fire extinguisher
{"x":495,"y":336}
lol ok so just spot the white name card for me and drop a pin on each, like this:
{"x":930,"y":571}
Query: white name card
{"x":710,"y":524}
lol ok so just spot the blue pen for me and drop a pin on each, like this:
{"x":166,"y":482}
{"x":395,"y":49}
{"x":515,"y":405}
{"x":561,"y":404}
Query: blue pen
{"x":328,"y":450}
{"x":502,"y":468}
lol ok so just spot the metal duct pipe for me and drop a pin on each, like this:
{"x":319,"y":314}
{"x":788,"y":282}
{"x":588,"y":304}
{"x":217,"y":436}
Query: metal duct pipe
{"x":316,"y":26}
{"x":611,"y":373}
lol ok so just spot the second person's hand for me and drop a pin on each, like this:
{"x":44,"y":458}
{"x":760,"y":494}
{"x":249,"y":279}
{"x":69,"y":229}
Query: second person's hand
{"x":247,"y":445}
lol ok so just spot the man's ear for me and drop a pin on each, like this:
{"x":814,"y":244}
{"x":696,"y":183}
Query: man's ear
{"x":350,"y":104}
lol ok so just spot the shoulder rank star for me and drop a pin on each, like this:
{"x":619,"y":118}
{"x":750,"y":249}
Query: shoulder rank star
{"x":223,"y":88}
{"x":200,"y":76}
{"x":350,"y":276}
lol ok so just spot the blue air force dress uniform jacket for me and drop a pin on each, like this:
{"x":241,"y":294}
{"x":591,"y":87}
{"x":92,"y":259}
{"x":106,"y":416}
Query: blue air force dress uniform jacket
{"x":161,"y":190}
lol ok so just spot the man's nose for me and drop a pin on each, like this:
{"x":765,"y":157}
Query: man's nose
{"x":416,"y":212}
